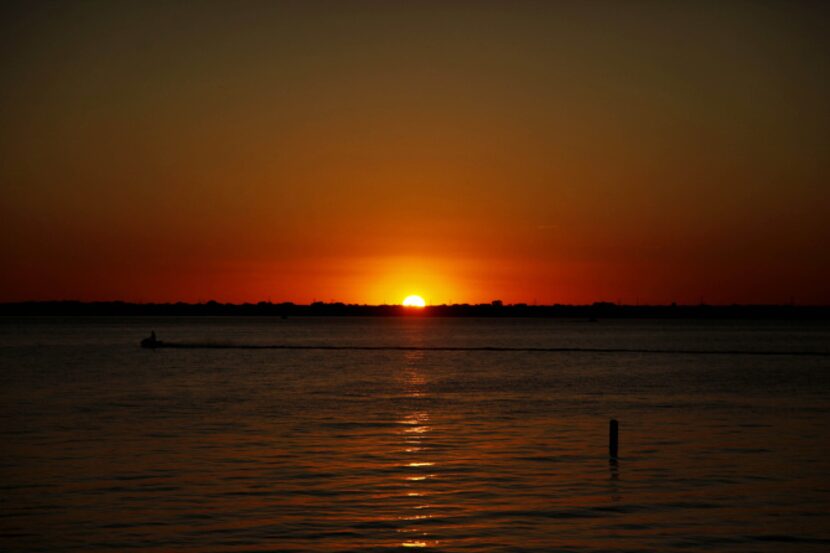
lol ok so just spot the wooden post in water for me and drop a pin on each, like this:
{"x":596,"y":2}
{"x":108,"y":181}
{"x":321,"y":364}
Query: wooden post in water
{"x":613,"y":438}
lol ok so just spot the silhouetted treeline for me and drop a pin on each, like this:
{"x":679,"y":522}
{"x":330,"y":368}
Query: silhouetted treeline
{"x":600,"y":310}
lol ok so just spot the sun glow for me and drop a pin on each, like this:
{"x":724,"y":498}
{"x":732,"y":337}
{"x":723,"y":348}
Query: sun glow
{"x":414,"y":301}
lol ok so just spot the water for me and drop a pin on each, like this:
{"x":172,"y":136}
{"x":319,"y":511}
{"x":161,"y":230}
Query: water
{"x":107,"y":447}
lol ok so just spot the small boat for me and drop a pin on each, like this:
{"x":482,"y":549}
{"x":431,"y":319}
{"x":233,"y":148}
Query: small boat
{"x":151,"y":342}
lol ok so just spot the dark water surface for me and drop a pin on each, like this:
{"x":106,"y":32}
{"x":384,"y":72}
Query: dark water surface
{"x":107,"y":447}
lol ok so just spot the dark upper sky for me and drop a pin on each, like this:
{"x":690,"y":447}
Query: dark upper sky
{"x":364,"y":151}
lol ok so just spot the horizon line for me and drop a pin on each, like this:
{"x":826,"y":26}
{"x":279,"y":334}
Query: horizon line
{"x":491,"y":304}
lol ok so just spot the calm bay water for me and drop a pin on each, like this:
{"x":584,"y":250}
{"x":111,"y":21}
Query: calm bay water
{"x":107,"y":447}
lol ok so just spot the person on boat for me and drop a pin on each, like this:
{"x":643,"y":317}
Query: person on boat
{"x":150,"y":342}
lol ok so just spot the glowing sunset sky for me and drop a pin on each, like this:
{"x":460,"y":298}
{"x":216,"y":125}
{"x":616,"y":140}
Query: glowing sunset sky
{"x":462,"y":151}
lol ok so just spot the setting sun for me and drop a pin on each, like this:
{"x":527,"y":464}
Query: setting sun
{"x":414,"y":301}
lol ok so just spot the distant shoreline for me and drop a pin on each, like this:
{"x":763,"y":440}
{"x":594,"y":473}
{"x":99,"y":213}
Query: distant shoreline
{"x":596,"y":311}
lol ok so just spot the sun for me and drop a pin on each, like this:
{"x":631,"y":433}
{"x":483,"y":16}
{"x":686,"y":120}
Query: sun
{"x":414,"y":301}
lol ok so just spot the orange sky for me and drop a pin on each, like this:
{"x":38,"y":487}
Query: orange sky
{"x":365,"y":151}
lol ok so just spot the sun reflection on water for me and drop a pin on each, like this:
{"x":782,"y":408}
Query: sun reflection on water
{"x":419,"y":478}
{"x":415,"y":432}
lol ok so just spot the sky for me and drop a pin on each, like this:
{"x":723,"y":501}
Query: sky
{"x":538,"y":152}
